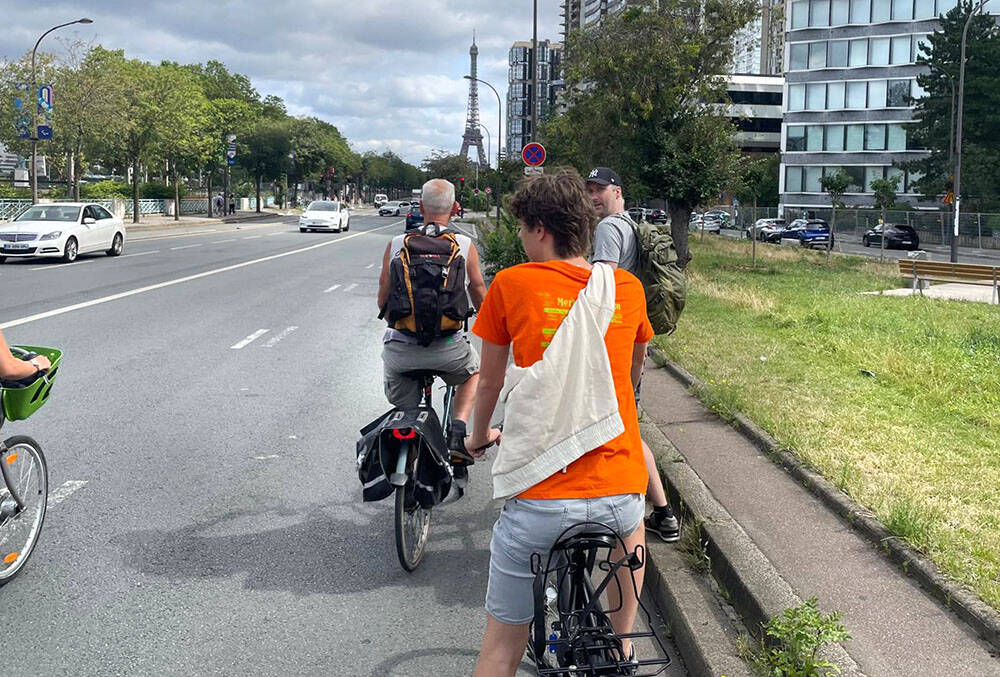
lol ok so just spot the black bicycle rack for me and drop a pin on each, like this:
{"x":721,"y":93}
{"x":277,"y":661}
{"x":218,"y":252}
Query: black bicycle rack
{"x":583,"y":642}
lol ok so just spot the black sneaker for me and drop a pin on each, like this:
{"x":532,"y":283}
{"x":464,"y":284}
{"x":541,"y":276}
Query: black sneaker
{"x":664,"y":524}
{"x":456,"y":444}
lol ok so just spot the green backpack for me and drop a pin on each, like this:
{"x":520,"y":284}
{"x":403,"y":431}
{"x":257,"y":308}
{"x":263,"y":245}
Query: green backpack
{"x":661,"y":277}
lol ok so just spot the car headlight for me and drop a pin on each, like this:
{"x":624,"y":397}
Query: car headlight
{"x":51,"y":236}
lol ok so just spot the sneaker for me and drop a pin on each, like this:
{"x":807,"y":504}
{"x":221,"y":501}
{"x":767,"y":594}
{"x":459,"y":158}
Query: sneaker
{"x":456,"y":444}
{"x":664,"y":524}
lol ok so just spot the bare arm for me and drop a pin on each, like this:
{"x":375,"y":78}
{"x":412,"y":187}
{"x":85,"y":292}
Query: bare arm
{"x":383,"y":278}
{"x":492,"y":370}
{"x":477,"y":286}
{"x":638,"y":358}
{"x":613,"y":264}
{"x":14,"y":369}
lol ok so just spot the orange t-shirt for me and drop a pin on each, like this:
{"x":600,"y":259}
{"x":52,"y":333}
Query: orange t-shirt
{"x":524,"y":306}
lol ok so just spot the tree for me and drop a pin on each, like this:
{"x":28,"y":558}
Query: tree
{"x":836,"y":185}
{"x":934,"y":114}
{"x":747,"y":190}
{"x":267,"y":149}
{"x":640,"y":98}
{"x":884,"y":191}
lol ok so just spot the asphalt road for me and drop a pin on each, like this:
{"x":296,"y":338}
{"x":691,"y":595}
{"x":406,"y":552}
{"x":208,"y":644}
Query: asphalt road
{"x":205,"y":514}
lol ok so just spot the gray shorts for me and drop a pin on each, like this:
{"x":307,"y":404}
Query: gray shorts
{"x":452,"y":357}
{"x":527,"y":526}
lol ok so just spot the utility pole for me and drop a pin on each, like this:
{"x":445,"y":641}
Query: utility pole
{"x":958,"y":133}
{"x":534,"y":73}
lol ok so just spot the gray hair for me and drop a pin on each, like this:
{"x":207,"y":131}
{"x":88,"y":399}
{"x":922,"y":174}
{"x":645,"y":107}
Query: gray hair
{"x":438,"y":197}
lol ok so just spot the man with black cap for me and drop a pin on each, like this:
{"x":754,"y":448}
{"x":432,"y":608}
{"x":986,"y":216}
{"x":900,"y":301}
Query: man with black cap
{"x":615,"y":243}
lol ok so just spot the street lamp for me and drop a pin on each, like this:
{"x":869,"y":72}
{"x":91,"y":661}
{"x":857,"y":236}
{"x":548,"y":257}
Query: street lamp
{"x":496,"y":188}
{"x":958,"y":133}
{"x":489,"y":144}
{"x":33,"y":98}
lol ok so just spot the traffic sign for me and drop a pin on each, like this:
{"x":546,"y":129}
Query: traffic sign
{"x":533,"y":171}
{"x":44,"y":132}
{"x":533,"y":154}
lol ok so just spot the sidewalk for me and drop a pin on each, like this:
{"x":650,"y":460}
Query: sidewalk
{"x":159,"y":221}
{"x":896,"y":627}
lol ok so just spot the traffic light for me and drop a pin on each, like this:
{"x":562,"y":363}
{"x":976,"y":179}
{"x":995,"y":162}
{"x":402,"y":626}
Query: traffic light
{"x":461,"y":181}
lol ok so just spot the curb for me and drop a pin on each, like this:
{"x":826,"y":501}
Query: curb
{"x":982,"y":618}
{"x":182,"y":223}
{"x":747,"y":578}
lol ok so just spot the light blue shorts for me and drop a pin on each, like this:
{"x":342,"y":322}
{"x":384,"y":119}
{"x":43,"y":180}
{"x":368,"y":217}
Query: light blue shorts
{"x":527,"y":526}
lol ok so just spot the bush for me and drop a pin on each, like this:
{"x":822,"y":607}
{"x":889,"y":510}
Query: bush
{"x":8,"y":191}
{"x":158,"y":191}
{"x":105,"y":190}
{"x":501,"y":247}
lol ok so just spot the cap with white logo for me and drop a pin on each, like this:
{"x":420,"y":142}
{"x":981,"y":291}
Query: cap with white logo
{"x":604,"y":176}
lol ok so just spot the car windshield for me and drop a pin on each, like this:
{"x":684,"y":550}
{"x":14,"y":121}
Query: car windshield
{"x":415,"y":209}
{"x":324,"y":207}
{"x":50,"y":213}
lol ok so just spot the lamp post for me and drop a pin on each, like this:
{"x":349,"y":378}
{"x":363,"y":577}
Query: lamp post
{"x":958,"y":133}
{"x":489,"y":144}
{"x":496,"y":188}
{"x":533,"y":99}
{"x":33,"y":98}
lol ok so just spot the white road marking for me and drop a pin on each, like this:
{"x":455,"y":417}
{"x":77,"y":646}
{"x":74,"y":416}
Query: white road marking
{"x":187,"y":246}
{"x":369,"y":266}
{"x":253,"y":237}
{"x":273,"y":234}
{"x":63,"y":491}
{"x":274,"y":340}
{"x":351,"y":287}
{"x":250,"y":339}
{"x":266,"y":458}
{"x":232,"y":239}
{"x":155,"y":251}
{"x":60,"y":265}
{"x":169,"y":283}
{"x":333,"y":288}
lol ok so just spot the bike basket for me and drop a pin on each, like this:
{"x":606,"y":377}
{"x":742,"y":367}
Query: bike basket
{"x":21,"y":402}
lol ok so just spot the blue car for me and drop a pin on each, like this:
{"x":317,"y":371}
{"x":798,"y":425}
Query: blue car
{"x":414,"y":218}
{"x":809,"y":233}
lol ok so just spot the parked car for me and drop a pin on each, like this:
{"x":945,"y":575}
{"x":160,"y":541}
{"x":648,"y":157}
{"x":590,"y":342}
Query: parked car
{"x":394,"y":208}
{"x":809,"y":232}
{"x":638,"y":214}
{"x":325,"y":215}
{"x":62,"y":230}
{"x":380,"y":200}
{"x":763,"y":227}
{"x":896,"y":235}
{"x":722,"y":215}
{"x":708,"y":224}
{"x":414,"y":218}
{"x":658,"y":216}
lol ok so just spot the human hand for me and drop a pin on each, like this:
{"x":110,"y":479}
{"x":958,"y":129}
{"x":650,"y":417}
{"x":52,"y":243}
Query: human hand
{"x":476,"y":445}
{"x":43,"y":362}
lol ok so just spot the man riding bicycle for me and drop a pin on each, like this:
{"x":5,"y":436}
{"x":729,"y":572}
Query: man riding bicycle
{"x":410,"y":343}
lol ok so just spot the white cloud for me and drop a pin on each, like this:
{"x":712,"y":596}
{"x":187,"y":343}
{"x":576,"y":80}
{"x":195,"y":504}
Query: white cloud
{"x":387,"y":73}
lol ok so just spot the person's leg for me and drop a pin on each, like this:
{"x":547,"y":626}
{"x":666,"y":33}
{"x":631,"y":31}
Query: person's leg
{"x":402,"y":392}
{"x":624,"y":618}
{"x":662,"y":520}
{"x":465,"y":398}
{"x":459,"y":366}
{"x":654,"y":492}
{"x":503,"y":647}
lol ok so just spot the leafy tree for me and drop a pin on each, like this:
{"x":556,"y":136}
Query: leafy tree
{"x":267,"y":149}
{"x":747,"y":191}
{"x":884,"y":191}
{"x":933,"y":128}
{"x":836,"y":185}
{"x":636,"y":92}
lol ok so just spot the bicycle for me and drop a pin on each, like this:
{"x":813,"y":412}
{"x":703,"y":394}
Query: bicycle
{"x":571,"y":633}
{"x":24,"y":479}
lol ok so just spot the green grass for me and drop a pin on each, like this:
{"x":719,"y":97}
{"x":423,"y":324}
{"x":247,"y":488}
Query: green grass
{"x":896,"y":400}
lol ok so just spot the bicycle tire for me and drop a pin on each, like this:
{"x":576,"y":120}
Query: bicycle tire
{"x":412,"y":527}
{"x":25,"y":463}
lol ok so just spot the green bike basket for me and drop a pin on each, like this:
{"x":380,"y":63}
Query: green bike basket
{"x":20,"y":403}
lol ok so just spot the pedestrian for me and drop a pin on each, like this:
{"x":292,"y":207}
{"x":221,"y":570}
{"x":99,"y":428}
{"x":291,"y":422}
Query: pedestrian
{"x":232,"y":204}
{"x":218,"y":202}
{"x":615,"y":244}
{"x":570,"y":450}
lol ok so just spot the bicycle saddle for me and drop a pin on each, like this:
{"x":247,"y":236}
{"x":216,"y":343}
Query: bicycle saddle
{"x":422,"y":375}
{"x":586,"y":540}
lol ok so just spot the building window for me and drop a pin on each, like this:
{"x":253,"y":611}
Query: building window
{"x":817,"y":55}
{"x":793,"y":179}
{"x":835,"y":138}
{"x":859,"y":52}
{"x":898,"y":91}
{"x":877,"y":94}
{"x":837,"y":56}
{"x":811,"y":180}
{"x":814,"y":137}
{"x":816,"y":96}
{"x":875,"y":137}
{"x":800,"y":14}
{"x":835,"y":95}
{"x":819,"y":13}
{"x":871,"y":174}
{"x":878,"y":52}
{"x":901,"y":50}
{"x":796,"y":138}
{"x":902,"y":10}
{"x":857,"y":94}
{"x":798,"y":58}
{"x":857,"y":175}
{"x":924,"y":10}
{"x":917,"y":92}
{"x":881,"y":11}
{"x":861,"y":11}
{"x":897,"y":137}
{"x":840,"y":12}
{"x":796,"y":97}
{"x":855,"y":138}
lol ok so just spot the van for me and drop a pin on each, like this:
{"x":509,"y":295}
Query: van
{"x":380,"y":200}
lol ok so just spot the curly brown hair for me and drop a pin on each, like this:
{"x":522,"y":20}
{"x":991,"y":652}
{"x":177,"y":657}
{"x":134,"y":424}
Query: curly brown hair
{"x":559,"y":203}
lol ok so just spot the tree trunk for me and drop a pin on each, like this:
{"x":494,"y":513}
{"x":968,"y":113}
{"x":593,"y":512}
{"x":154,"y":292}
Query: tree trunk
{"x":753,"y":235}
{"x":209,"y":193}
{"x":833,"y":227}
{"x":881,"y":254}
{"x":679,"y":218}
{"x":77,"y":163}
{"x":258,"y":192}
{"x":135,"y":189}
{"x":177,"y":193}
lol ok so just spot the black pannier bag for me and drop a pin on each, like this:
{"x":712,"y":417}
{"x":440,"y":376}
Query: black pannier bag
{"x":378,"y":451}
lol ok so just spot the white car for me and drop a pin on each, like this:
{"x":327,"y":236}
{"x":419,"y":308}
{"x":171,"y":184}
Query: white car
{"x":62,"y":230}
{"x":395,"y":208}
{"x":323,"y":215}
{"x":380,"y":200}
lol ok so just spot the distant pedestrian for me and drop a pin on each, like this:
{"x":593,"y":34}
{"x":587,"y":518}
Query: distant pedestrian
{"x":232,"y":205}
{"x":218,"y":203}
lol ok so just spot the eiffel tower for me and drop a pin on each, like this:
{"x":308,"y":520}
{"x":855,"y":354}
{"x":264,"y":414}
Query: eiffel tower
{"x":473,"y":136}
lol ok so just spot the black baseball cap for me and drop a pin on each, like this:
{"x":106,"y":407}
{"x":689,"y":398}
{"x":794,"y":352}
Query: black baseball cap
{"x":604,"y":176}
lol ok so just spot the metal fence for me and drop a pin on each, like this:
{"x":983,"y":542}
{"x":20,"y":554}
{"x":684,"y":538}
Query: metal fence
{"x":9,"y":208}
{"x":195,"y":206}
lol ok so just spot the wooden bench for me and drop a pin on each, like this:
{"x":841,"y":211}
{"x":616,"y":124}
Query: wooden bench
{"x":938,"y":271}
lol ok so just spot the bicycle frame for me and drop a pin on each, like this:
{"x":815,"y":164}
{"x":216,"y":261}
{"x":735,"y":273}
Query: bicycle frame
{"x":9,"y":483}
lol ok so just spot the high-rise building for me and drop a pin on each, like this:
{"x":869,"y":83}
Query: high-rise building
{"x":850,"y":69}
{"x":582,"y":13}
{"x":757,"y":47}
{"x":519,"y":94}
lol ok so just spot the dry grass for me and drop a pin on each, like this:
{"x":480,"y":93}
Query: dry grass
{"x":895,"y":399}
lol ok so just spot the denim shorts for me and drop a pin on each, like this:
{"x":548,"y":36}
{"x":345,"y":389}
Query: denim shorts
{"x":527,"y":526}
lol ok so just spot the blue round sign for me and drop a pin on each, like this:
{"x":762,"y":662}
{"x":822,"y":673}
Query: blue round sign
{"x":533,"y":154}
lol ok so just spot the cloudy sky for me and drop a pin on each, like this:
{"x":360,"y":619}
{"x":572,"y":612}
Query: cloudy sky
{"x":387,"y":73}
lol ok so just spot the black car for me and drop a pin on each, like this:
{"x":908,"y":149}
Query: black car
{"x":657,"y":216}
{"x":414,"y":218}
{"x":896,"y":235}
{"x":638,"y":214}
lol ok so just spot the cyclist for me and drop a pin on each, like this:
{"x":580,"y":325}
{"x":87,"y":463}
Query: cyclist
{"x":451,"y":356}
{"x":14,"y":369}
{"x":615,"y":244}
{"x":525,"y":305}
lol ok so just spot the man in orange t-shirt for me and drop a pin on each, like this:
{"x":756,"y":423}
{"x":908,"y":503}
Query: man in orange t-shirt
{"x":523,"y":309}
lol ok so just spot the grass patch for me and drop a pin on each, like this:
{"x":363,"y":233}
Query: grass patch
{"x":896,"y":400}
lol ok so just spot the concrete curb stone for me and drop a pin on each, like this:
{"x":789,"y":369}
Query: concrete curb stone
{"x":973,"y":611}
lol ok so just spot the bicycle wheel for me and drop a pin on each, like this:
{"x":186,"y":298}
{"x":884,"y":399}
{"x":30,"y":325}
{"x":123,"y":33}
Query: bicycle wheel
{"x":24,"y":467}
{"x":413,"y":525}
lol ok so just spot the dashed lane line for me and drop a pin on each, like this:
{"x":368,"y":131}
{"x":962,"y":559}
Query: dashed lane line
{"x":333,"y":288}
{"x":232,"y":239}
{"x":369,"y":266}
{"x":351,"y":287}
{"x":187,"y":246}
{"x":169,"y":283}
{"x":253,"y":237}
{"x":125,"y":256}
{"x":249,"y":339}
{"x":63,"y":491}
{"x":59,"y":266}
{"x":275,"y":339}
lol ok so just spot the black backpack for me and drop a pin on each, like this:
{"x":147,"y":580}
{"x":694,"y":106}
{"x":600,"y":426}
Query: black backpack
{"x":427,"y":295}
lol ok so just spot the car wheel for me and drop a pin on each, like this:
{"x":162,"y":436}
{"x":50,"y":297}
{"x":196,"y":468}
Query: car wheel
{"x":302,"y":230}
{"x":2,"y":259}
{"x":117,"y":245}
{"x":865,"y":241}
{"x":71,"y":251}
{"x":347,"y":226}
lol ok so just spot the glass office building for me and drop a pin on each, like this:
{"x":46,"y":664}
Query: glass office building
{"x":519,"y":94}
